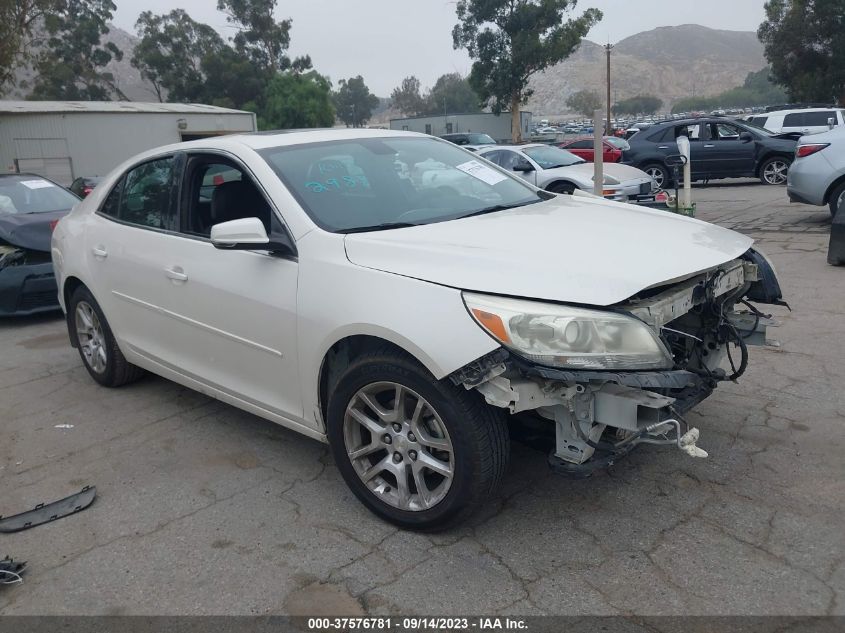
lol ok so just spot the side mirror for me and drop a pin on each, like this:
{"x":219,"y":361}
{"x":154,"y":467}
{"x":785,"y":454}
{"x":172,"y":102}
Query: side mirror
{"x":831,"y":123}
{"x":746,"y":137}
{"x":523,"y":166}
{"x":248,"y":234}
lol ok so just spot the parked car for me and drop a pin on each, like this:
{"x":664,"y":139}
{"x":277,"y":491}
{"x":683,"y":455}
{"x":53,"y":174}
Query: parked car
{"x":84,"y":185}
{"x":818,"y":174}
{"x":470,"y":140}
{"x":559,"y":171}
{"x":719,"y":148}
{"x":802,"y":121}
{"x":324,"y":291}
{"x":30,"y":206}
{"x":583,"y":148}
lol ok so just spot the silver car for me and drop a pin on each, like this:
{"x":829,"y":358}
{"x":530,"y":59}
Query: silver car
{"x":556,"y":170}
{"x":818,"y":174}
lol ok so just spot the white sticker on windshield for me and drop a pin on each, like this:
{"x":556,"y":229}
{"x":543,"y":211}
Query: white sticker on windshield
{"x":482,"y":172}
{"x":37,"y":184}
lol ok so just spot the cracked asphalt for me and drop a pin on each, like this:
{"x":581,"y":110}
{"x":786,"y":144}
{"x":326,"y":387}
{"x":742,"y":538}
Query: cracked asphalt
{"x":204,"y":509}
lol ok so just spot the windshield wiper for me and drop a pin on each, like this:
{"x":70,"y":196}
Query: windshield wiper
{"x":379,"y":227}
{"x":497,"y":207}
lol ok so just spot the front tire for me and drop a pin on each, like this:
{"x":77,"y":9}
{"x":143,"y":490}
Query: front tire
{"x":774,"y":170}
{"x":418,"y":452}
{"x":96,"y":343}
{"x":561,"y":187}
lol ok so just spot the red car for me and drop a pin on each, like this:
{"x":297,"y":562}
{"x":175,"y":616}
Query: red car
{"x":583,"y":148}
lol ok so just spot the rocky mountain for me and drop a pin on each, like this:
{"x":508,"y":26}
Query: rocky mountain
{"x":128,"y":77}
{"x":670,"y":62}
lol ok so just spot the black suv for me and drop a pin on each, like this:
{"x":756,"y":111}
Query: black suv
{"x":719,"y":148}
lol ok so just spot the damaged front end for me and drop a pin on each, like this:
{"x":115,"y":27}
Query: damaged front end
{"x":27,"y":281}
{"x":609,"y":380}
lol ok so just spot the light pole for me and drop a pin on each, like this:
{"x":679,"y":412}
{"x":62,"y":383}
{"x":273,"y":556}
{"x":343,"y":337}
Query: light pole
{"x":608,"y":48}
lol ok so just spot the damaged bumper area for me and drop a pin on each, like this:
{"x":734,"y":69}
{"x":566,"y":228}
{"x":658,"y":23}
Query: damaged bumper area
{"x":27,"y":281}
{"x":705,"y":322}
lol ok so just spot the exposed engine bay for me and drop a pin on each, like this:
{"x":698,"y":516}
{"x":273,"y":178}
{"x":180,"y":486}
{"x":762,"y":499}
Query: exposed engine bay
{"x":707,"y":323}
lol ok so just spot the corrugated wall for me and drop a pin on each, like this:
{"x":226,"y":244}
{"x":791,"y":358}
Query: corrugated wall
{"x":97,"y":142}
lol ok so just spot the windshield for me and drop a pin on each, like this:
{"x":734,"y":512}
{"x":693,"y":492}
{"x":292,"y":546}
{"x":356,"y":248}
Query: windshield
{"x":480,"y":139}
{"x":381,"y":182}
{"x":31,"y":194}
{"x":618,"y":143}
{"x":548,"y":157}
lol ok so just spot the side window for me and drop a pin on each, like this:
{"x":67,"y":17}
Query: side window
{"x":818,"y":119}
{"x":509,"y":160}
{"x":690,"y":131}
{"x":428,"y":128}
{"x":111,"y":206}
{"x":216,"y":191}
{"x":581,"y":145}
{"x":146,"y":199}
{"x":795,"y":119}
{"x":494,"y":157}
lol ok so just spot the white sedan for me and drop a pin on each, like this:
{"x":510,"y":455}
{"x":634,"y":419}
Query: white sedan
{"x":559,"y":171}
{"x":321,"y":280}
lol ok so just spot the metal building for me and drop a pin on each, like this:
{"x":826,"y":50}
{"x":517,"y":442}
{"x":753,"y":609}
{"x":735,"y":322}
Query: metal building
{"x":63,"y":140}
{"x":496,"y":125}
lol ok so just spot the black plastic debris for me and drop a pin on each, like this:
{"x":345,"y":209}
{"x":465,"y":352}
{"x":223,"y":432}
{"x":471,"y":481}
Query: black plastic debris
{"x":44,"y":513}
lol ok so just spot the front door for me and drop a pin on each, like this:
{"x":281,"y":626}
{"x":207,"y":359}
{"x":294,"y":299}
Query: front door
{"x":725,"y":153}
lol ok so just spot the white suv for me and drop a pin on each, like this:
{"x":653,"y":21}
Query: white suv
{"x":320,"y":280}
{"x":807,"y":121}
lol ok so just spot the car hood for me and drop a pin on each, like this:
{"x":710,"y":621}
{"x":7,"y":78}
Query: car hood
{"x":585,"y":172}
{"x":29,"y":230}
{"x":574,"y":249}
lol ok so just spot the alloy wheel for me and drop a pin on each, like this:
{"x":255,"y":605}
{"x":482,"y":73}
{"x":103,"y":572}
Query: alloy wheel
{"x":91,"y":339}
{"x":775,"y":172}
{"x":657,"y":174}
{"x":398,"y":446}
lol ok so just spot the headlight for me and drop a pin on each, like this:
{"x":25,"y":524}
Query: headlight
{"x":563,"y":336}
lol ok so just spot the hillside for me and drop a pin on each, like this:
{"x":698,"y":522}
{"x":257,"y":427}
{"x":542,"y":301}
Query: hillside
{"x":670,"y":62}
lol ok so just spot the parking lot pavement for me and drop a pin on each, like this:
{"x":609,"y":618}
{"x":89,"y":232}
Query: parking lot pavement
{"x":204,"y":509}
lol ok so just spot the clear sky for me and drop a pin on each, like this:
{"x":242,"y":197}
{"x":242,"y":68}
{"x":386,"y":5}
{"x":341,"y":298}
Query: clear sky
{"x":386,"y":40}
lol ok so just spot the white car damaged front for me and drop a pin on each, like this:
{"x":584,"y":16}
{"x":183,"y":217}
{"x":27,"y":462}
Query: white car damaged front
{"x":608,"y":339}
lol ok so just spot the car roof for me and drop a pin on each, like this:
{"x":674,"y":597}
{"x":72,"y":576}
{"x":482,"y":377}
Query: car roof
{"x":798,"y":110}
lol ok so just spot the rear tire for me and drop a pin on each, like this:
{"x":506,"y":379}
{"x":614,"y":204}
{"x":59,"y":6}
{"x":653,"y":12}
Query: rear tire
{"x":659,"y":173}
{"x":96,"y":343}
{"x":386,"y":452}
{"x":837,"y":200}
{"x":773,"y":171}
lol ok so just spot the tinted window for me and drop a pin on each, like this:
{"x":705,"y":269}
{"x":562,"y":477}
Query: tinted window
{"x":146,"y":198}
{"x":111,"y":206}
{"x":361,"y":183}
{"x":818,"y":118}
{"x":32,"y":194}
{"x":793,"y":120}
{"x":618,"y":143}
{"x":580,"y":145}
{"x":481,"y":139}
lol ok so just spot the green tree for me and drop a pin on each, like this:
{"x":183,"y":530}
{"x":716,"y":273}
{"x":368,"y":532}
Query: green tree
{"x":260,"y":38}
{"x":407,"y":98}
{"x":72,"y":65}
{"x":173,"y":54}
{"x":510,"y":40}
{"x":584,"y":102}
{"x":18,"y":19}
{"x":641,"y":104}
{"x":452,"y":93}
{"x":293,"y":100}
{"x":354,"y":102}
{"x":805,"y":44}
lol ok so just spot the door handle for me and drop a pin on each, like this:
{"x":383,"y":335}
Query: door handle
{"x":709,"y":146}
{"x":176,"y":274}
{"x":662,"y":147}
{"x":100,"y":252}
